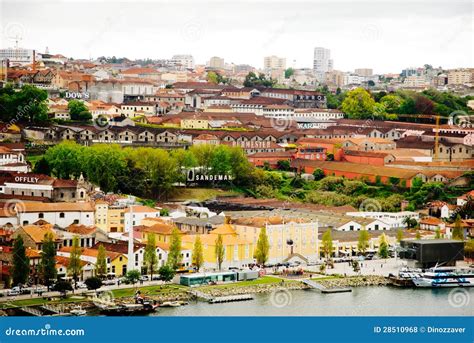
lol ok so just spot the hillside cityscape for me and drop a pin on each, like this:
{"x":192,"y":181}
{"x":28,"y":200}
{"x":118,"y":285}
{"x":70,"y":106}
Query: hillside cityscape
{"x":160,"y":186}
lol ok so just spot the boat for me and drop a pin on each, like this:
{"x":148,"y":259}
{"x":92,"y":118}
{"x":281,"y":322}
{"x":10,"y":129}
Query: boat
{"x":444,"y":277}
{"x":78,"y":311}
{"x":171,"y":304}
{"x":129,"y":309}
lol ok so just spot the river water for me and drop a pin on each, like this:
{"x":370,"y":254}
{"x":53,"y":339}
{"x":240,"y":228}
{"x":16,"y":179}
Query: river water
{"x":362,"y":301}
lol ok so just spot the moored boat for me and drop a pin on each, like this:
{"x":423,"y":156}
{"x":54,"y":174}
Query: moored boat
{"x":444,"y":277}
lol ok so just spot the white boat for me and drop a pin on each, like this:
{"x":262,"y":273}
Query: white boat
{"x":78,"y":311}
{"x":445,"y":277}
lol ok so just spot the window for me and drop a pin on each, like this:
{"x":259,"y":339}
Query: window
{"x":40,"y":215}
{"x":61,"y":215}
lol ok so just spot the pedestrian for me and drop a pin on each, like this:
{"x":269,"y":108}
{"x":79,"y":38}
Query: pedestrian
{"x":381,"y":265}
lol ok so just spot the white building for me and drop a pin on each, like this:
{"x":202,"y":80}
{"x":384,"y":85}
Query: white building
{"x":324,"y":114}
{"x":392,"y":219}
{"x":187,"y":61}
{"x":17,"y":56}
{"x":138,"y":213}
{"x":322,"y":62}
{"x":61,"y":214}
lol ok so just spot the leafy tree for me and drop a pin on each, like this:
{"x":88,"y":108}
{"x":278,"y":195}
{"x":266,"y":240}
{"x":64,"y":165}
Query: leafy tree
{"x":283,"y":165}
{"x":423,"y":105}
{"x":93,"y":282}
{"x":74,"y":267}
{"x":62,"y":286}
{"x":399,"y":235}
{"x":289,"y":72}
{"x":47,"y":265}
{"x":438,"y":233}
{"x":101,"y":263}
{"x":198,"y":255}
{"x":132,"y":276}
{"x":42,"y":167}
{"x":150,"y":258}
{"x":383,"y":246}
{"x":20,"y":262}
{"x":174,"y":255}
{"x":219,"y":251}
{"x":358,"y":104}
{"x":418,"y":235}
{"x":164,"y":212}
{"x":327,"y":245}
{"x":458,"y":232}
{"x":166,"y":273}
{"x":363,"y":243}
{"x":318,"y":174}
{"x":262,"y":250}
{"x":64,"y":160}
{"x":391,"y":103}
{"x":252,"y":80}
{"x":78,"y":111}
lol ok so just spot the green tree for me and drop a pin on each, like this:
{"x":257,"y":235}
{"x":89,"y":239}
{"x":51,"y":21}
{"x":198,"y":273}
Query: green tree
{"x":62,"y":286}
{"x":47,"y":265}
{"x":418,"y":235}
{"x":150,"y":258}
{"x":93,"y":282}
{"x":42,"y":167}
{"x":391,"y":103}
{"x":289,"y":72}
{"x":327,"y":245}
{"x":363,"y":243}
{"x":101,"y":263}
{"x":132,"y":276}
{"x":383,"y":246}
{"x":438,"y":233}
{"x":458,"y":232}
{"x":399,"y":235}
{"x":20,"y":262}
{"x":318,"y":174}
{"x":198,"y":255}
{"x":78,"y":110}
{"x":166,"y":273}
{"x":219,"y":251}
{"x":262,"y":250}
{"x":74,"y":267}
{"x":358,"y":104}
{"x":64,"y":159}
{"x":283,"y":165}
{"x":174,"y":255}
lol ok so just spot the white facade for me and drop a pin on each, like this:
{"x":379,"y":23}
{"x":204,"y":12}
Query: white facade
{"x":392,"y":219}
{"x":61,"y":219}
{"x":187,"y":61}
{"x":322,"y":62}
{"x":17,"y":56}
{"x":375,"y":225}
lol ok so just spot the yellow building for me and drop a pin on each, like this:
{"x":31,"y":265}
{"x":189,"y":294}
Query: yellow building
{"x":292,"y":240}
{"x":108,"y":218}
{"x":238,"y":251}
{"x":194,"y":123}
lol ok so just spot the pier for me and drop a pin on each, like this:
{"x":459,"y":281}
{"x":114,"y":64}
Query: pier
{"x":323,"y":289}
{"x":223,"y":299}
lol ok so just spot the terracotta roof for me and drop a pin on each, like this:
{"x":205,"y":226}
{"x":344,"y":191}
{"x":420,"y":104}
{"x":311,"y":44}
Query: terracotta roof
{"x":81,"y":229}
{"x":57,"y":207}
{"x":162,"y":229}
{"x":37,"y":233}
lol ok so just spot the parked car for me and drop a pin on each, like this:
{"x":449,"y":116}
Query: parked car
{"x":144,"y":278}
{"x":109,"y":282}
{"x":156,"y":277}
{"x":81,"y":285}
{"x":14,"y":291}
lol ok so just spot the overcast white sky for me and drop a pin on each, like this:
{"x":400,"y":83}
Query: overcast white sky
{"x":385,"y":35}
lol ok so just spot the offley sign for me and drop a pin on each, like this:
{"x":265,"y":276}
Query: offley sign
{"x":195,"y":176}
{"x":26,"y":179}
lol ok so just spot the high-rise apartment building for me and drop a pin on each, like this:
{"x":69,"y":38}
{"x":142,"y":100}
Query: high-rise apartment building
{"x":322,"y":63}
{"x":364,"y":72}
{"x":216,"y":63}
{"x":186,"y":61}
{"x":274,"y":62}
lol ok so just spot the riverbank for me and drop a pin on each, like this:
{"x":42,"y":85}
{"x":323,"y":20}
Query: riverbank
{"x":353,"y":281}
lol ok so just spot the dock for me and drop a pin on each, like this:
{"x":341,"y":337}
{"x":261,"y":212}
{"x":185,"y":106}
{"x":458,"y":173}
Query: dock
{"x":223,"y":299}
{"x":323,"y":289}
{"x":231,"y":298}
